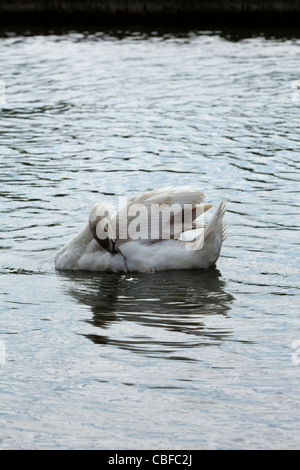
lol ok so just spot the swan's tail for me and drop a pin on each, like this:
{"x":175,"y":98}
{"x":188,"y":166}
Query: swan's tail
{"x":214,"y":233}
{"x":217,"y":225}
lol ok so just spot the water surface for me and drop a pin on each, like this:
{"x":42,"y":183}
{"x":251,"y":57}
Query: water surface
{"x":177,"y":360}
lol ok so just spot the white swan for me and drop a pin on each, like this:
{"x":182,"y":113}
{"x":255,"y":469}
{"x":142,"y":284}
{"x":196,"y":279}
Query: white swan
{"x":180,"y":241}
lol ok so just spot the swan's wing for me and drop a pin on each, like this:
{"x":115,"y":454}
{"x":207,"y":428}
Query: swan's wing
{"x":180,"y":195}
{"x":160,"y":214}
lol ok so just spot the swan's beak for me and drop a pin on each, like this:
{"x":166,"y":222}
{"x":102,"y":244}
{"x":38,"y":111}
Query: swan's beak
{"x":103,"y":233}
{"x":115,"y":249}
{"x":108,"y":244}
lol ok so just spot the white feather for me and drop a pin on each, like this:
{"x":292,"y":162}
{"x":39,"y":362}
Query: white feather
{"x":198,"y":248}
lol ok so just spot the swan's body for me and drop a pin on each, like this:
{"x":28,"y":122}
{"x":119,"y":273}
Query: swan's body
{"x":189,"y":246}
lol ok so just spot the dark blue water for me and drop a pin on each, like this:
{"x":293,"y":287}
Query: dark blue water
{"x":180,"y":360}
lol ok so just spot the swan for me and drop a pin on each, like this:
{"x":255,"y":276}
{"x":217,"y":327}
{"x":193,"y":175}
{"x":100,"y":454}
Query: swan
{"x":174,"y":234}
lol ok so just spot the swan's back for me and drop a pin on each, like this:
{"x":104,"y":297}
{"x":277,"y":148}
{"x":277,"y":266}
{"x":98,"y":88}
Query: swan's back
{"x":177,"y":207}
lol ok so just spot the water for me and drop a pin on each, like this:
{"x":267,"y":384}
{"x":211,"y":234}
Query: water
{"x":178,"y":360}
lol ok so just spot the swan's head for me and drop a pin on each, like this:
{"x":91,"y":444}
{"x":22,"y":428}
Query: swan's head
{"x":99,"y":222}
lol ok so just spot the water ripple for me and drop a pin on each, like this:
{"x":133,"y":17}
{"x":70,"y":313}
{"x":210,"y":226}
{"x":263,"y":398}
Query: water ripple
{"x":94,"y":360}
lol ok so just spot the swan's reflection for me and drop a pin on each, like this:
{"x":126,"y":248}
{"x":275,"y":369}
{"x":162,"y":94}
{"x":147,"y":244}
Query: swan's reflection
{"x":168,"y":310}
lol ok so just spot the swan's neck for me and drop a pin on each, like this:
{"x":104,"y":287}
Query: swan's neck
{"x":78,"y":244}
{"x":83,"y":238}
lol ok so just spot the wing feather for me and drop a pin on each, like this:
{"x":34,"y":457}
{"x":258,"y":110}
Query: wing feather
{"x":161,"y":214}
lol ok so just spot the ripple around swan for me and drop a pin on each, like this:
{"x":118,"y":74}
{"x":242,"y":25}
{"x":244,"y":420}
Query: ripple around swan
{"x":177,"y":303}
{"x":171,"y":359}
